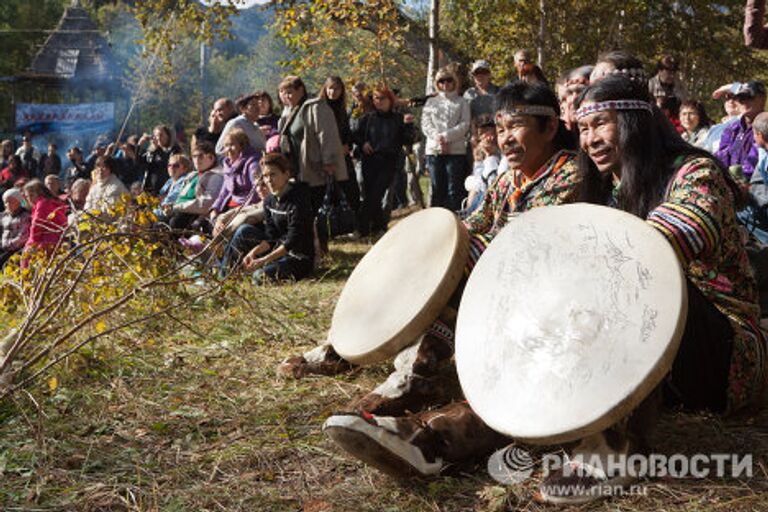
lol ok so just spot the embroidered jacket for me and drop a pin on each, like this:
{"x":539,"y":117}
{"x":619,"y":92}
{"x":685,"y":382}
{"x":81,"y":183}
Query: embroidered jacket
{"x":555,"y":183}
{"x":698,"y":218}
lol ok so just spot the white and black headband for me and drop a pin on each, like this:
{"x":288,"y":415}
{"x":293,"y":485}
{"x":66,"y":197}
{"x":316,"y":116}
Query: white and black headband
{"x":613,"y":105}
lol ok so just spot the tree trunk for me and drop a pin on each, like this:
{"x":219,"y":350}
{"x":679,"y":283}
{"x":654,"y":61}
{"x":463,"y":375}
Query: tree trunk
{"x":542,"y":33}
{"x":434,"y":55}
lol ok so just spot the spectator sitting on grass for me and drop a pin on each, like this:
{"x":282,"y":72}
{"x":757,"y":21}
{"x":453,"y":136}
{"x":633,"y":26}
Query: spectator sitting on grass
{"x":241,"y":168}
{"x":287,"y":250}
{"x":244,"y":226}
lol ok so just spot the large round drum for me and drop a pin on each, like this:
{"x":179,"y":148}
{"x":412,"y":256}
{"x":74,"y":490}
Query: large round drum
{"x":571,"y":317}
{"x":400,"y":286}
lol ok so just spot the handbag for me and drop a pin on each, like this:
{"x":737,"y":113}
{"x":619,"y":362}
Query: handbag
{"x":334,"y":217}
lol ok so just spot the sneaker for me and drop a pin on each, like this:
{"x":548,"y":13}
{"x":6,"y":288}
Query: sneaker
{"x":321,"y":360}
{"x":401,"y":394}
{"x":394,"y":446}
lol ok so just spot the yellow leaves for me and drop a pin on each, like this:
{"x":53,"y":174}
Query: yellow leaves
{"x":101,"y":326}
{"x":53,"y":384}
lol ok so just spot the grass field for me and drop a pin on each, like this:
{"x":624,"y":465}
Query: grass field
{"x":190,"y":417}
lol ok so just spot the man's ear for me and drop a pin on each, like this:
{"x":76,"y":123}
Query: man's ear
{"x":553,"y":123}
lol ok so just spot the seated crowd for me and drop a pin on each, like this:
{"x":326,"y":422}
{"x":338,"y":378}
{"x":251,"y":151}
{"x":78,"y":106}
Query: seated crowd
{"x":260,"y":178}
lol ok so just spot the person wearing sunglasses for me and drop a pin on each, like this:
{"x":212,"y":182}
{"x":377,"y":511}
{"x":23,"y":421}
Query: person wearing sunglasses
{"x":179,"y":166}
{"x":445,"y":123}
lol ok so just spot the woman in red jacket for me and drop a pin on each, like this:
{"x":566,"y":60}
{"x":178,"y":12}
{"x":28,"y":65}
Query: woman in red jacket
{"x":49,"y":217}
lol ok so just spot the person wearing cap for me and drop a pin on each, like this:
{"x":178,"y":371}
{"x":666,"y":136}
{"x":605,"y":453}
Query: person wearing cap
{"x":480,"y":97}
{"x":30,"y":156}
{"x":445,"y":122}
{"x":737,"y":150}
{"x":732,"y":112}
{"x":666,"y":83}
{"x":14,"y":225}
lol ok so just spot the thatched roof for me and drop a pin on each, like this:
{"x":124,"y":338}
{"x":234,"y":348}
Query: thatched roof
{"x":75,"y":50}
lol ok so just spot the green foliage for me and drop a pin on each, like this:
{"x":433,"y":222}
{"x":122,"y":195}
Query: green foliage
{"x":113,"y":270}
{"x":704,"y":35}
{"x":363,"y":38}
{"x":167,"y":24}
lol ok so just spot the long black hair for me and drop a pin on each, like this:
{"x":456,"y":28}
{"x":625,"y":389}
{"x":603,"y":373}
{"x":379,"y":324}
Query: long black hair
{"x":651,"y":150}
{"x":520,"y":92}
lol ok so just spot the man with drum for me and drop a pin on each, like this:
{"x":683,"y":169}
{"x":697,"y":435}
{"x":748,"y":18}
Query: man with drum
{"x":541,"y":172}
{"x":632,"y":159}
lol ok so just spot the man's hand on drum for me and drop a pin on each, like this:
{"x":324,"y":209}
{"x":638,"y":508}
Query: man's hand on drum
{"x":252,"y":261}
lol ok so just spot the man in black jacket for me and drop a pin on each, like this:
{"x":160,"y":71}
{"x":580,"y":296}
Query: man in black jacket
{"x":288,"y":250}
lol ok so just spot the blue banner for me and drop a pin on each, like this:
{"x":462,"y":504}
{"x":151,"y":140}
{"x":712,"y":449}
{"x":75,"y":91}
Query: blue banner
{"x":65,"y":125}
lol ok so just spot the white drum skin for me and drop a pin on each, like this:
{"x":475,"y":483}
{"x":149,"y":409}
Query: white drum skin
{"x":570,"y":318}
{"x":400,"y":286}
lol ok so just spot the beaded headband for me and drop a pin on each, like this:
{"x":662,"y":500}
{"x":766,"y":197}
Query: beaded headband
{"x":613,"y":105}
{"x":528,"y":110}
{"x":638,"y":74}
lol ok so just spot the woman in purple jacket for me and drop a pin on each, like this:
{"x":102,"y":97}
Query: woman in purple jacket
{"x":241,"y":168}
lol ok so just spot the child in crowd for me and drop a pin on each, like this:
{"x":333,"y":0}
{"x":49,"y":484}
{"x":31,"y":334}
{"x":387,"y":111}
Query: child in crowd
{"x":287,"y":250}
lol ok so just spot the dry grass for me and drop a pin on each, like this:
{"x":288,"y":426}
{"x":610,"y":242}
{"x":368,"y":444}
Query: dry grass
{"x":192,"y":418}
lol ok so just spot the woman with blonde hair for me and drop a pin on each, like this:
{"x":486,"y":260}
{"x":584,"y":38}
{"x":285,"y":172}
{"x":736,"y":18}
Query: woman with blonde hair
{"x":241,"y":169}
{"x":445,"y":123}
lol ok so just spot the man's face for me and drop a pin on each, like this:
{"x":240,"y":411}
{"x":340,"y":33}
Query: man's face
{"x":521,"y":59}
{"x":523,"y":143}
{"x":599,"y":139}
{"x":74,"y":156}
{"x":202,"y":161}
{"x":221,"y":110}
{"x":666,"y":76}
{"x":750,"y":107}
{"x":482,"y":78}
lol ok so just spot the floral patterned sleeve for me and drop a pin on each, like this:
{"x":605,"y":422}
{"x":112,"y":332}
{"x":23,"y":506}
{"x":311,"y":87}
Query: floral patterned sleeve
{"x":691,"y":217}
{"x":482,"y":219}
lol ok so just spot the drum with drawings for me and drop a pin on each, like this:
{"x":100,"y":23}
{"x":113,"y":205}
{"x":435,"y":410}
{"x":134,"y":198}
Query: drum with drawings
{"x":399,"y":287}
{"x":571,"y":317}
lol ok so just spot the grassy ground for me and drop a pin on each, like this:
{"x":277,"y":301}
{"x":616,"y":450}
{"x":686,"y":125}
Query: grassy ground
{"x":192,"y":418}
